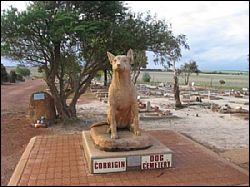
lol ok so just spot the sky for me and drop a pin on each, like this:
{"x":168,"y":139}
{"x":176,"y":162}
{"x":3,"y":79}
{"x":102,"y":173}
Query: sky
{"x":217,"y":31}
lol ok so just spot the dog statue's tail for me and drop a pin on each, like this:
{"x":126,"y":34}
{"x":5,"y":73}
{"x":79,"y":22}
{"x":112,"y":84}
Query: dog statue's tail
{"x":99,"y":124}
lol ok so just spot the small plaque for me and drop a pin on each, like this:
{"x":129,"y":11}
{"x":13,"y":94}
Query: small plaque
{"x":109,"y":165}
{"x":39,"y":96}
{"x":156,"y":161}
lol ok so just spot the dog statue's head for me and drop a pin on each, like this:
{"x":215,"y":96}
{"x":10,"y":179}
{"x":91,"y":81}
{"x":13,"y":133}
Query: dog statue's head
{"x":121,"y":63}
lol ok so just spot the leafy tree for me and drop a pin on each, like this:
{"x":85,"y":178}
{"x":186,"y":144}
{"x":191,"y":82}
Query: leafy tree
{"x":140,"y":61}
{"x":174,"y":54}
{"x":187,"y":69}
{"x":13,"y":76}
{"x":64,"y":39}
{"x":19,"y":77}
{"x":4,"y":74}
{"x":222,"y":82}
{"x":99,"y":75}
{"x":68,"y":41}
{"x":22,"y":71}
{"x":146,"y":77}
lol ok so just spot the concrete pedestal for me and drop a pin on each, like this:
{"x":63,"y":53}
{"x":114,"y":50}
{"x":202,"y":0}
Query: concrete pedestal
{"x":157,"y":156}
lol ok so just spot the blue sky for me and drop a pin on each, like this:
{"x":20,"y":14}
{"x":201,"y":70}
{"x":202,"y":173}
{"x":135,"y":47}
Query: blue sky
{"x":217,"y":32}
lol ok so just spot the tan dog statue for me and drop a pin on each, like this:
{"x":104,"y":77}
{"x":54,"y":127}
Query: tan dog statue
{"x":122,"y":99}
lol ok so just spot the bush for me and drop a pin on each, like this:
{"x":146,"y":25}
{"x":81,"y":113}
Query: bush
{"x":13,"y":76}
{"x":222,"y":82}
{"x":146,"y":77}
{"x":19,"y":77}
{"x":4,"y":74}
{"x":22,"y":71}
{"x":98,"y":75}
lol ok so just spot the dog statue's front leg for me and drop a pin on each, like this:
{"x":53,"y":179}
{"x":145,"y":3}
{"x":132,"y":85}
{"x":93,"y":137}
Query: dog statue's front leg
{"x":113,"y":126}
{"x":135,"y":115}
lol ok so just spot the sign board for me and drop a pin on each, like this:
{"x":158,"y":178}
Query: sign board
{"x":39,"y":96}
{"x":108,"y":165}
{"x":156,"y":161}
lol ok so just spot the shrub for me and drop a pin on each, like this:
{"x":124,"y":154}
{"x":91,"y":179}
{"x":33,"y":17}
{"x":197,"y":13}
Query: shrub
{"x":98,"y":75}
{"x":22,"y":71}
{"x":12,"y":76}
{"x":146,"y":77}
{"x":4,"y":74}
{"x":19,"y":77}
{"x":222,"y":82}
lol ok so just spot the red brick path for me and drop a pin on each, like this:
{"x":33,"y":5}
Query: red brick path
{"x":59,"y":160}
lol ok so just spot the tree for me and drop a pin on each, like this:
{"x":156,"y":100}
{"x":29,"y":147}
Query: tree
{"x":19,"y":77}
{"x":63,"y":39}
{"x":222,"y":82}
{"x":140,"y":61}
{"x":172,"y":53}
{"x":146,"y":77}
{"x":22,"y":71}
{"x":13,"y":76}
{"x":98,"y":75}
{"x":187,"y":69}
{"x":68,"y":41}
{"x":4,"y":74}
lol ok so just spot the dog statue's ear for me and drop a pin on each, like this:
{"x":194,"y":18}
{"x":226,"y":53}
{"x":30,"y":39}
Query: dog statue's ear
{"x":111,"y":57}
{"x":131,"y":56}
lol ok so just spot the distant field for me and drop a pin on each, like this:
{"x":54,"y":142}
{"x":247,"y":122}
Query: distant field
{"x":232,"y":81}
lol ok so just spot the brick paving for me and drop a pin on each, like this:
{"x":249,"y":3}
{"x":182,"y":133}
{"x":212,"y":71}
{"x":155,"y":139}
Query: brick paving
{"x":59,"y":160}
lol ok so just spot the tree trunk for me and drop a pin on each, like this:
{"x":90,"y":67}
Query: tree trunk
{"x":135,"y":75}
{"x":188,"y":75}
{"x":105,"y":77}
{"x":177,"y":92}
{"x":176,"y":89}
{"x":64,"y":112}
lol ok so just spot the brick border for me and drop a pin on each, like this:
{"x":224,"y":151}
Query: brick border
{"x":21,"y":164}
{"x":17,"y":174}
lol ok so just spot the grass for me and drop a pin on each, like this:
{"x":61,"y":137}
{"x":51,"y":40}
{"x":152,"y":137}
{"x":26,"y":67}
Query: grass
{"x":236,"y":82}
{"x":233,"y":81}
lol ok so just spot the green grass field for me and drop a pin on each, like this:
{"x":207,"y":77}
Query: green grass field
{"x":232,"y":81}
{"x":236,"y":82}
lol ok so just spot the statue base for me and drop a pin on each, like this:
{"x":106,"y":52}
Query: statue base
{"x":100,"y":161}
{"x":127,"y":141}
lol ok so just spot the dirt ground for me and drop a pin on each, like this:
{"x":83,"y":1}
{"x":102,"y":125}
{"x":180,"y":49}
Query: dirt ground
{"x":227,"y":135}
{"x":16,"y":131}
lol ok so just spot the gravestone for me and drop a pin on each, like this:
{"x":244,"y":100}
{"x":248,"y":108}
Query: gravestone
{"x":42,"y":104}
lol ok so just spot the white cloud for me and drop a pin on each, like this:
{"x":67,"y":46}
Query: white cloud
{"x":20,"y":5}
{"x":216,"y":31}
{"x":185,"y":15}
{"x":220,"y":53}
